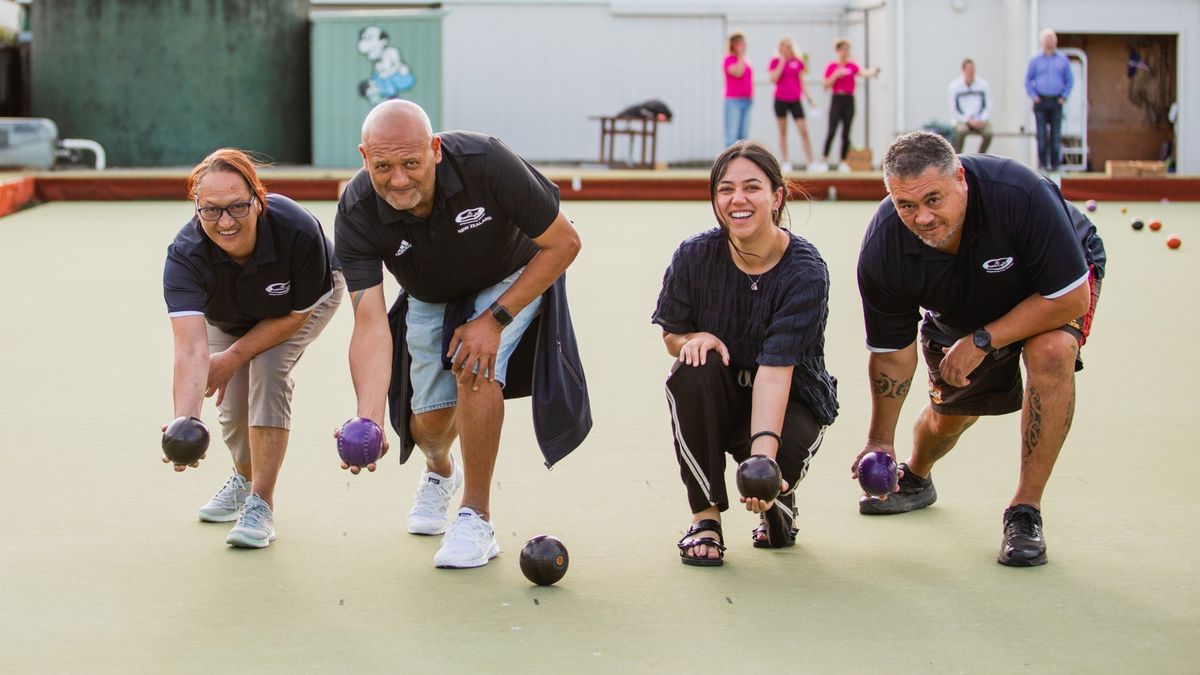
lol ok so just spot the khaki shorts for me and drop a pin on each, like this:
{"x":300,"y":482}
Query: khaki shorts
{"x":260,"y":393}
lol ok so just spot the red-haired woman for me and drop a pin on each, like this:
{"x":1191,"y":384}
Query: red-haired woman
{"x":249,"y":282}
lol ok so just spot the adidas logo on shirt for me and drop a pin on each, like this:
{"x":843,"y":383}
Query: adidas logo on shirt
{"x":404,"y":246}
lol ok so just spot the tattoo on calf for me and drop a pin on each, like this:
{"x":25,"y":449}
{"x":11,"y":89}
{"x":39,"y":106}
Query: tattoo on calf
{"x":1070,"y":416}
{"x":1033,"y":432}
{"x":940,"y":446}
{"x":887,"y":387}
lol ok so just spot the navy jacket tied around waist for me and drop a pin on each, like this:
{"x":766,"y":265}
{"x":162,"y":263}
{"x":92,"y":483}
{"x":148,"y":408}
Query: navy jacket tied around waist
{"x":545,"y":365}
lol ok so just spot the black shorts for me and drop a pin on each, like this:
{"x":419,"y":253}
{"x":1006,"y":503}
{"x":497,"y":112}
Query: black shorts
{"x":782,"y":108}
{"x":996,"y":387}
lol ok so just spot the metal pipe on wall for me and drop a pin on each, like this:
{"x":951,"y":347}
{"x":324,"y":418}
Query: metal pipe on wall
{"x":901,"y":118}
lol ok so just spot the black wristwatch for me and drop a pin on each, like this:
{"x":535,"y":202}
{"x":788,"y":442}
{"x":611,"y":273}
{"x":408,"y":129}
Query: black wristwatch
{"x":500,"y":314}
{"x":983,"y":340}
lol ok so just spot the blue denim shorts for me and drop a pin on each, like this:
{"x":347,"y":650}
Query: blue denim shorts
{"x":435,"y":388}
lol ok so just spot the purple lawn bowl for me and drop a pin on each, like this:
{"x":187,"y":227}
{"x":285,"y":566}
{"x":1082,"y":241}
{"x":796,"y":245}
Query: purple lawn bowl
{"x":360,"y":441}
{"x":877,"y":473}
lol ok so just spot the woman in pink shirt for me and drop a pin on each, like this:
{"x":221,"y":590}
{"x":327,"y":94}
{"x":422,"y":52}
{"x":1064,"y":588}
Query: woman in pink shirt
{"x":839,"y":78}
{"x":787,"y":71}
{"x":739,"y":90}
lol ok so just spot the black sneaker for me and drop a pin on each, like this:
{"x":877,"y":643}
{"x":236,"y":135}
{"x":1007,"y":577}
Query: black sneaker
{"x":915,"y":493}
{"x":1023,"y":544}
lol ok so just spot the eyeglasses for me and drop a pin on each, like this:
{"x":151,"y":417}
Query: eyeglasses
{"x":235,"y":211}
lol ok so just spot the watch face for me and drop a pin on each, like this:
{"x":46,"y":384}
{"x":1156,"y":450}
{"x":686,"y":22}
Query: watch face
{"x":982,"y":339}
{"x":501,"y":315}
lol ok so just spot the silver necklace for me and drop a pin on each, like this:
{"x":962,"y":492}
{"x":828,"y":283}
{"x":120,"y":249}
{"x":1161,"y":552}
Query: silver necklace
{"x":753,"y":280}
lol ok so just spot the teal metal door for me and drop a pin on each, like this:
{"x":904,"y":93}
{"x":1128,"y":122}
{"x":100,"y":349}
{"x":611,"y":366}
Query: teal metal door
{"x":360,"y":59}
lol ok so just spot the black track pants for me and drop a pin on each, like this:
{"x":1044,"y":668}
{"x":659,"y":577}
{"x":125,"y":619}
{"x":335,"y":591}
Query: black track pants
{"x":710,"y":415}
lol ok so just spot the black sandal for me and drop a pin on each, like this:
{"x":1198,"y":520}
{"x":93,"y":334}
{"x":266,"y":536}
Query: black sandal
{"x":780,"y":530}
{"x":688,"y":542}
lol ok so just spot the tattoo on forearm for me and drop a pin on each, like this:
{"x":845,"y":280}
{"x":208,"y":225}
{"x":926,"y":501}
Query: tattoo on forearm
{"x":355,"y":297}
{"x":1033,"y":431}
{"x":887,"y":387}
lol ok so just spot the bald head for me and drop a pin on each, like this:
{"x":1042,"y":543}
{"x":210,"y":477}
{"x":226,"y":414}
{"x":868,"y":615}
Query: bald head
{"x":401,"y":153}
{"x":397,"y":120}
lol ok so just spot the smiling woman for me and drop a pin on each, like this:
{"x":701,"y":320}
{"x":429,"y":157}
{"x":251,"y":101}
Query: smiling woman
{"x":249,"y":282}
{"x":743,"y":308}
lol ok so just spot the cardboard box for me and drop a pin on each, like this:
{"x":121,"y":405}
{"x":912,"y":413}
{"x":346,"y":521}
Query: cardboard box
{"x":1134,"y":169}
{"x":859,"y":159}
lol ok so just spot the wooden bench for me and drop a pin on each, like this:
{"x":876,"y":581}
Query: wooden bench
{"x":642,"y":130}
{"x":1134,"y":169}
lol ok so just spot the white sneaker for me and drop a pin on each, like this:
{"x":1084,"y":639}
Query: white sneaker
{"x":431,"y":505}
{"x":225,"y":505}
{"x":470,"y":542}
{"x":844,"y":168}
{"x":256,"y":526}
{"x":787,"y":167}
{"x":818,"y":167}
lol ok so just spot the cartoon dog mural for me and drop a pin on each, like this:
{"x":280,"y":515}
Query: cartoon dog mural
{"x":390,"y":75}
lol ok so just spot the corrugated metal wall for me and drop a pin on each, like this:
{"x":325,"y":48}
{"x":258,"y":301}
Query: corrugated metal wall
{"x":347,"y":82}
{"x":165,"y":83}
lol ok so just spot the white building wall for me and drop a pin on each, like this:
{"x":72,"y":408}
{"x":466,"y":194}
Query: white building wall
{"x":533,"y":71}
{"x":10,"y":16}
{"x":936,"y":39}
{"x":533,"y":74}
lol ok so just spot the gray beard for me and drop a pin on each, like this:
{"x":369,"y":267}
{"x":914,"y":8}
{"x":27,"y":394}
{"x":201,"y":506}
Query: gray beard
{"x":940,"y":242}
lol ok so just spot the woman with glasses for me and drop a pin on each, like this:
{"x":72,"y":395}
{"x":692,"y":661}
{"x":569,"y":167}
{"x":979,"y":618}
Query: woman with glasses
{"x":249,"y":282}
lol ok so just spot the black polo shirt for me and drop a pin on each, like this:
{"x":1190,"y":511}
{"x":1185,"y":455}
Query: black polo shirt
{"x":1019,"y":237}
{"x":488,"y":206}
{"x":289,"y":271}
{"x":780,"y":324}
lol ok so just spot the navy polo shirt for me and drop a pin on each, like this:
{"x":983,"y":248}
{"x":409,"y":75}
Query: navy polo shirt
{"x":488,"y":206}
{"x":780,"y":324}
{"x":1019,"y":237}
{"x":290,"y":270}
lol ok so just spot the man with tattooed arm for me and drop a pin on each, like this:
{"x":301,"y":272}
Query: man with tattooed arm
{"x":1006,"y":271}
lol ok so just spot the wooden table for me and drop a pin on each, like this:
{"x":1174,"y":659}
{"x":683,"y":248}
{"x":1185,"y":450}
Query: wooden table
{"x":640,"y":129}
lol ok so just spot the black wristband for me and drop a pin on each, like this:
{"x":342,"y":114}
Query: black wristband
{"x":772,"y":434}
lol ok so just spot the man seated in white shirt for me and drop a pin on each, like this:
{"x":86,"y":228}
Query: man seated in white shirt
{"x":970,"y":107}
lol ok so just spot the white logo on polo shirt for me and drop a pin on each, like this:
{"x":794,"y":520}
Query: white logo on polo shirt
{"x":471,"y":219}
{"x":997,"y":265}
{"x":404,"y":246}
{"x":279,"y":288}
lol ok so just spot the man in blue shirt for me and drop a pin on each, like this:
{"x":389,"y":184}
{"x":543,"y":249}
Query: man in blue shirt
{"x":1048,"y":81}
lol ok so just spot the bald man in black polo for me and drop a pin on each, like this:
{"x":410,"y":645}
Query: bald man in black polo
{"x":450,"y":215}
